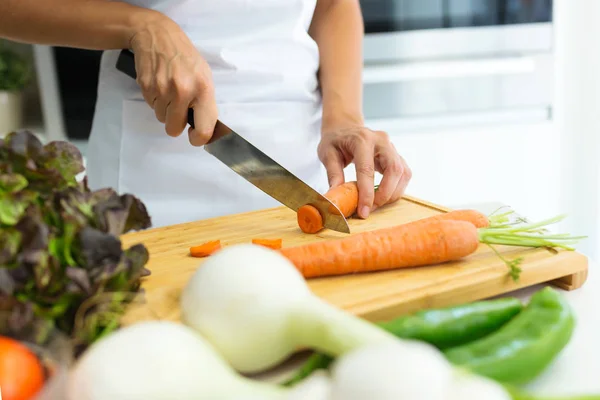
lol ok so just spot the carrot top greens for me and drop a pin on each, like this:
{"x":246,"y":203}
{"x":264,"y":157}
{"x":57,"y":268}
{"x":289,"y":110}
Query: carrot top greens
{"x":521,"y":232}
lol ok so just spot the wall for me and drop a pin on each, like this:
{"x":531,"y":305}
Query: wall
{"x":577,"y":89}
{"x":516,"y":164}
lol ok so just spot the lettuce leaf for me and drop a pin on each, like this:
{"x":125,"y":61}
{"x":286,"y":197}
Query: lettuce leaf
{"x":62,"y":263}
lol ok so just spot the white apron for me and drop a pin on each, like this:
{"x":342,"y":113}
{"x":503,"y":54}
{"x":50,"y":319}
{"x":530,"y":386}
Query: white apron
{"x":264,"y":66}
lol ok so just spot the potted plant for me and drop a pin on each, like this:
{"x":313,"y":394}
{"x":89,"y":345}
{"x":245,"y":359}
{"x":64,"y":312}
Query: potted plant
{"x":15,"y":75}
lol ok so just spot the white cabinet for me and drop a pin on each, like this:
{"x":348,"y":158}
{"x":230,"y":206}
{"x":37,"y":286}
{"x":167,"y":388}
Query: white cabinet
{"x":518,"y":165}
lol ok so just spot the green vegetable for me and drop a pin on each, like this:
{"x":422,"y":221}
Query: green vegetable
{"x":518,"y":394}
{"x":453,"y":326}
{"x":61,"y":261}
{"x":525,"y":346}
{"x":443,"y":328}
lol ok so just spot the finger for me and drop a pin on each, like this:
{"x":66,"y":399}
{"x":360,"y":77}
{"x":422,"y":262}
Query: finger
{"x":176,"y":117}
{"x":402,"y":183}
{"x":334,"y":165}
{"x":205,"y":117}
{"x":365,"y":176}
{"x":145,"y":79}
{"x":149,"y":94}
{"x":160,"y":108}
{"x":392,"y":170}
{"x":162,"y":94}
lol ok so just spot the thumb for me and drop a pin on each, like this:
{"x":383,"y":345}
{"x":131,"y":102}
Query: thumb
{"x":335,"y":168}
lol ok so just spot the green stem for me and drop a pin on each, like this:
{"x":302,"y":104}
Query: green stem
{"x":318,"y":325}
{"x":515,"y":270}
{"x":518,"y":394}
{"x":523,"y":234}
{"x":522,"y":242}
{"x":528,"y":227}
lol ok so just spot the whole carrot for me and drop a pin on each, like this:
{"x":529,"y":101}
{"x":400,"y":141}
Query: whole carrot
{"x":426,"y":241}
{"x":418,"y":243}
{"x":473,"y":216}
{"x":344,"y":196}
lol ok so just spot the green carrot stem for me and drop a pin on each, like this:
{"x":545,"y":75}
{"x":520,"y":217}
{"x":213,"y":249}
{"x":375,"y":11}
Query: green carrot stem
{"x":528,"y":227}
{"x":560,"y":236}
{"x":515,"y":270}
{"x":522,"y":242}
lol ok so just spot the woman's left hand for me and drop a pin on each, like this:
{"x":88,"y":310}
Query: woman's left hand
{"x":370,"y":151}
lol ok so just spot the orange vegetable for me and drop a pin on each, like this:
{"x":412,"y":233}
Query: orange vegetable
{"x":344,"y":196}
{"x":205,"y":249}
{"x":473,"y":216}
{"x":418,"y":243}
{"x":22,"y":374}
{"x":274,"y":244}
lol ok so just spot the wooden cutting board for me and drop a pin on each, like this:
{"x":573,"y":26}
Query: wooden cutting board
{"x":374,"y":296}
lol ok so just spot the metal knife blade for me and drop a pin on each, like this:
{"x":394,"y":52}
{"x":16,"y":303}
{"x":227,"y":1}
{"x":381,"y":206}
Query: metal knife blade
{"x":256,"y":167}
{"x":266,"y":174}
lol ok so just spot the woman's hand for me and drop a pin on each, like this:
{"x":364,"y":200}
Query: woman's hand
{"x":173,"y":77}
{"x":371,"y":151}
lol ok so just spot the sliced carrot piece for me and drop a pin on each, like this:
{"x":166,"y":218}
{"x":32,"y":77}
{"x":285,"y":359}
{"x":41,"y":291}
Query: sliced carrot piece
{"x":309,"y":219}
{"x":344,"y":196}
{"x":274,"y":244}
{"x":205,"y":249}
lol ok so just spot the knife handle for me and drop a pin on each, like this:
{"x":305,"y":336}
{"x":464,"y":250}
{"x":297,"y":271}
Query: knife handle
{"x":126,"y":64}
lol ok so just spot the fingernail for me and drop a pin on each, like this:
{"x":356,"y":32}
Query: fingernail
{"x":364,"y":211}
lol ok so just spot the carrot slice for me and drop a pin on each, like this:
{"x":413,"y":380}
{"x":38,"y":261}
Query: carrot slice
{"x":418,"y":243}
{"x":205,"y":249}
{"x":274,"y":244}
{"x":344,"y":196}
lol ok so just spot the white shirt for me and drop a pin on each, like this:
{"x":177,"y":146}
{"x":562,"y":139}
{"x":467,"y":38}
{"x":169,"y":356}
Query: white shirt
{"x":264,"y":66}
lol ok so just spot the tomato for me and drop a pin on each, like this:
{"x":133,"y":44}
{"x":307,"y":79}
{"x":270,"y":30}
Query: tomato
{"x":21,"y":372}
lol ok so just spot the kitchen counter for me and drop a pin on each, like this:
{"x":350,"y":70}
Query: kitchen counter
{"x":575,"y":370}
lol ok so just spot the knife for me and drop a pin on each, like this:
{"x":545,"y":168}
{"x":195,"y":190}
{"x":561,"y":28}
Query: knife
{"x":256,"y":167}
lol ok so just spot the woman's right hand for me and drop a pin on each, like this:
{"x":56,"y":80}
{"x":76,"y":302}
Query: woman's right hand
{"x":173,"y":77}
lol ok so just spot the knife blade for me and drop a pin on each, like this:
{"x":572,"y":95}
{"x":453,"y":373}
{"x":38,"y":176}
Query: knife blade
{"x":256,"y":167}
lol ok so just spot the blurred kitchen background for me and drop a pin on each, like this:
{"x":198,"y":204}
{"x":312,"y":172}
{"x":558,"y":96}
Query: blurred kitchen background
{"x":488,"y":100}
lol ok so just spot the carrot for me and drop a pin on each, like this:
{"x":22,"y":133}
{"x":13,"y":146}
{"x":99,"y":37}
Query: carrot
{"x":344,"y":196}
{"x":473,"y":216}
{"x":426,"y":241}
{"x":418,"y":243}
{"x":274,"y":244}
{"x":205,"y":249}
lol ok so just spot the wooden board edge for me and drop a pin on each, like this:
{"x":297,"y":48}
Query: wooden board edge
{"x":457,"y":293}
{"x":575,"y":280}
{"x":427,"y":204}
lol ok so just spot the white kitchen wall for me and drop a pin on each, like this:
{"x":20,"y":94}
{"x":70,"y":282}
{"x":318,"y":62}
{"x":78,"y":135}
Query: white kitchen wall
{"x":577,"y":112}
{"x":516,"y":164}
